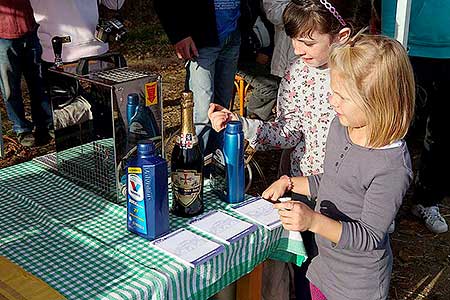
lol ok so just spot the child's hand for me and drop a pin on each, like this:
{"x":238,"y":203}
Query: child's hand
{"x":275,"y":190}
{"x":219,"y":116}
{"x":295,"y":215}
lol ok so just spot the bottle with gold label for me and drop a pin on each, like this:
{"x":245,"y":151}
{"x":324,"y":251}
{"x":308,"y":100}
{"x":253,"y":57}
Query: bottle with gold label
{"x":187,"y":165}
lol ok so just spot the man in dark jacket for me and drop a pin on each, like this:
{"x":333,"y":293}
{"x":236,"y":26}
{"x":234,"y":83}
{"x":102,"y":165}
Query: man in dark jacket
{"x":20,"y":54}
{"x":204,"y":33}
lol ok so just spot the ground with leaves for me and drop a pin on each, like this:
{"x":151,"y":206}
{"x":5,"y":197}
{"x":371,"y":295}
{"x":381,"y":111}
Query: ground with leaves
{"x":421,"y":259}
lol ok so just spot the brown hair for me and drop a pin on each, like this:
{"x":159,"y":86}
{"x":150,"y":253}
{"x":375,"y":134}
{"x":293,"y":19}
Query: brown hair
{"x":303,"y":17}
{"x":377,"y":74}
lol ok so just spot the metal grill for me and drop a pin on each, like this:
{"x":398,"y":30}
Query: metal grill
{"x":120,"y":75}
{"x":91,"y":165}
{"x":49,"y":161}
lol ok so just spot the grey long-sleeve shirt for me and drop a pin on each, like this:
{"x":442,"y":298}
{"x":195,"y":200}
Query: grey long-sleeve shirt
{"x":363,"y":188}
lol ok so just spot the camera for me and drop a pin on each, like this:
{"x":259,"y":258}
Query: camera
{"x":109,"y":30}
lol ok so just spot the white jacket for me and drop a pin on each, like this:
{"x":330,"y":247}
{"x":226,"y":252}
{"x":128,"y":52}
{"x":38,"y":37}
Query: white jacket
{"x":283,"y":52}
{"x":76,"y":18}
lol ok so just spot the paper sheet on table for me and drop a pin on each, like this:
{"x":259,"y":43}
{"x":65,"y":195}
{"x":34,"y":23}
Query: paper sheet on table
{"x":188,"y":247}
{"x":223,"y":227}
{"x":260,"y":211}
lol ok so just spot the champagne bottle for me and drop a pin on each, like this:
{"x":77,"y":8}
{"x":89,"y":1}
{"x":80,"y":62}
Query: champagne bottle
{"x":187,"y":165}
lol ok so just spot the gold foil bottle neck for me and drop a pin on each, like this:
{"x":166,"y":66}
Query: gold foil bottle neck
{"x":187,"y":110}
{"x":187,"y":99}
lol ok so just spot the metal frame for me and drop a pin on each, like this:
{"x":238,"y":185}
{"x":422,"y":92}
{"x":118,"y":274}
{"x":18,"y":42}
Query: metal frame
{"x":402,"y":21}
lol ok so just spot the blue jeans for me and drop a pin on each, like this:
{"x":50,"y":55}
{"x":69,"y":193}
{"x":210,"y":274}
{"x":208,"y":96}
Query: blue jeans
{"x":211,"y":79}
{"x":22,"y":56}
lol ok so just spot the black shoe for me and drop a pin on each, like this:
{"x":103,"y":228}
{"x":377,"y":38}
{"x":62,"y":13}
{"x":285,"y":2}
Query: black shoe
{"x":26,"y":139}
{"x":43,"y":137}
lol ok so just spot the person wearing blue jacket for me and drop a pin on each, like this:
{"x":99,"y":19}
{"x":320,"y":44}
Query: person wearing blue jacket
{"x":429,"y":51}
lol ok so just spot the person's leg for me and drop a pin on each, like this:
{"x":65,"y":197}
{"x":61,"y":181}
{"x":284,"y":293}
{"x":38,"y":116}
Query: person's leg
{"x":225,"y":70}
{"x":11,"y":56}
{"x":276,"y":280}
{"x":430,"y":186}
{"x":200,"y":80}
{"x":264,"y":96}
{"x":40,"y":105}
{"x":226,"y":67}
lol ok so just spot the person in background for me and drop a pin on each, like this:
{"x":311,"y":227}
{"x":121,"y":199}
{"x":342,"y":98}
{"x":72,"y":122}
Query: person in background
{"x":283,"y":52}
{"x":283,"y":56}
{"x":206,"y":35}
{"x":74,"y":18}
{"x":429,"y":52}
{"x":303,"y":111}
{"x":367,"y":171}
{"x":254,"y":66}
{"x":20,"y":54}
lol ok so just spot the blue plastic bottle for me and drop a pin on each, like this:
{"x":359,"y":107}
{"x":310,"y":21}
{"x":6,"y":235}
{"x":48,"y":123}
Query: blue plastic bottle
{"x":233,"y":152}
{"x":147,"y":202}
{"x":132,"y":104}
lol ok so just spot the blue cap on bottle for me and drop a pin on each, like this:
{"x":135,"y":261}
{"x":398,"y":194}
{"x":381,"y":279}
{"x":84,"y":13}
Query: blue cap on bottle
{"x":133,"y":99}
{"x":234,"y":127}
{"x":146,"y":147}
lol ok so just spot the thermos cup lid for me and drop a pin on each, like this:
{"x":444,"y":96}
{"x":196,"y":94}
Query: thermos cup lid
{"x":133,"y":98}
{"x":146,"y":147}
{"x":234,"y":127}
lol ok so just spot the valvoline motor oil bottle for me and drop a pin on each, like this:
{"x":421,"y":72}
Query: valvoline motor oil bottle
{"x":141,"y":121}
{"x":132,"y":104}
{"x":147,"y":202}
{"x":233,"y":152}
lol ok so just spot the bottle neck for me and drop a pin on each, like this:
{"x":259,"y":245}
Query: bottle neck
{"x":187,"y":122}
{"x":146,"y":155}
{"x":188,"y":137}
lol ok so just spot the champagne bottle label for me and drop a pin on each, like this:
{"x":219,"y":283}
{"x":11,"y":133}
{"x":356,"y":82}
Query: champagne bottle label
{"x":187,"y":141}
{"x":186,"y":186}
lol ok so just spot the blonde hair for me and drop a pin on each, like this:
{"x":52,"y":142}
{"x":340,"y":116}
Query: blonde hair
{"x":378,"y":76}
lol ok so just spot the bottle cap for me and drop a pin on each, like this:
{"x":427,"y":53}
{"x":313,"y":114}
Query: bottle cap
{"x":234,"y":127}
{"x":146,"y":147}
{"x":133,"y":99}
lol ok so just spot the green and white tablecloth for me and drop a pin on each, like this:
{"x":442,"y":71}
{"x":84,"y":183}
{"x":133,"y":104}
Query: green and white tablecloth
{"x":78,"y":243}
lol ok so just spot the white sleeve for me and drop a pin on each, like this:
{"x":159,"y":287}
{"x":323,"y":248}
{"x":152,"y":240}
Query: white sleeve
{"x":286,"y":131}
{"x":112,"y":4}
{"x":274,"y":10}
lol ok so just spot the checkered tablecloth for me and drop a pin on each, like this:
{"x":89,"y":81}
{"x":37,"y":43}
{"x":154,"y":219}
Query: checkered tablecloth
{"x":78,"y":243}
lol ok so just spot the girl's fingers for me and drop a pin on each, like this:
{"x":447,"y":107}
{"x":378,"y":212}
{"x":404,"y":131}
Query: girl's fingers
{"x":284,"y":206}
{"x":267,"y":194}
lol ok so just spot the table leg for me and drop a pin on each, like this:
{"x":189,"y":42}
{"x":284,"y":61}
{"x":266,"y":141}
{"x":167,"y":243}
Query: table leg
{"x":249,"y":286}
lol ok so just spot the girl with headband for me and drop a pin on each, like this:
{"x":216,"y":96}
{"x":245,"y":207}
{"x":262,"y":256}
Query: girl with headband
{"x":303,"y":111}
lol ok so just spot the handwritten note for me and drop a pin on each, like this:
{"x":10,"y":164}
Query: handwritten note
{"x":188,"y":247}
{"x":260,"y":211}
{"x":222,"y":226}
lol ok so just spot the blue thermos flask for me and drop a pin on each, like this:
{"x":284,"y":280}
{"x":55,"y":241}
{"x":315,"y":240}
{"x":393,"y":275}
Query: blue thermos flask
{"x":147,"y":200}
{"x":233,"y":152}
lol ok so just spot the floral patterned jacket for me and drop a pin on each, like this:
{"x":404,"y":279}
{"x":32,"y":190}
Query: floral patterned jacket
{"x":303,"y":119}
